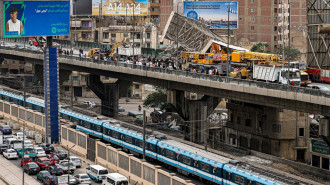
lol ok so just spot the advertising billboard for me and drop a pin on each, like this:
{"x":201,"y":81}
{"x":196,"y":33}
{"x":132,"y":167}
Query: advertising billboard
{"x":120,"y":7}
{"x":35,"y":18}
{"x":213,"y":14}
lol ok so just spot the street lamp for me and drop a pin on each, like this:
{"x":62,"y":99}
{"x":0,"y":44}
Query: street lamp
{"x":69,"y":161}
{"x":228,"y":40}
{"x":177,"y":33}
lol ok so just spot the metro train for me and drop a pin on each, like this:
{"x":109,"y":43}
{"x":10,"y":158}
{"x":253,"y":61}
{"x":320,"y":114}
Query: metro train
{"x":188,"y":160}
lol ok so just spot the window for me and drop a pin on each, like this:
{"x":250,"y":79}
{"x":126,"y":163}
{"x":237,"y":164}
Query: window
{"x":205,"y":167}
{"x":301,"y":132}
{"x":252,"y":27}
{"x":137,"y":86}
{"x":186,"y":160}
{"x":113,"y":35}
{"x":239,"y":179}
{"x":275,"y":10}
{"x":75,"y":78}
{"x":138,"y":36}
{"x":248,"y":122}
{"x":83,"y":78}
{"x":13,"y":62}
{"x":275,"y":1}
{"x":275,"y":28}
{"x":148,"y":35}
{"x":252,"y":19}
{"x":228,"y":176}
{"x":252,"y":1}
{"x":98,"y":128}
{"x":276,"y":128}
{"x":252,"y":37}
{"x":252,"y":10}
{"x":148,"y":45}
{"x":275,"y":38}
{"x":66,"y":88}
{"x":129,"y":139}
{"x":238,"y":120}
{"x":85,"y":35}
{"x":170,"y":154}
{"x":196,"y":163}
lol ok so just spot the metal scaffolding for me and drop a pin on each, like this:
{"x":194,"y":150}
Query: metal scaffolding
{"x":318,"y":16}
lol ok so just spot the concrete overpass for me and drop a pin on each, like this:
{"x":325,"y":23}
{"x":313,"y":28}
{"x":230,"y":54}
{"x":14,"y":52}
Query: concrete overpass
{"x":256,"y":92}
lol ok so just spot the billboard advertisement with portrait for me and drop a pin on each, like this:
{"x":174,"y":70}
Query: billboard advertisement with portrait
{"x":213,"y":14}
{"x":35,"y":18}
{"x":120,"y":7}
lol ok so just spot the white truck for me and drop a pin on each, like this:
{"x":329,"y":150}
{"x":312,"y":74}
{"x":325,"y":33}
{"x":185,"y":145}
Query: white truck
{"x":277,"y":74}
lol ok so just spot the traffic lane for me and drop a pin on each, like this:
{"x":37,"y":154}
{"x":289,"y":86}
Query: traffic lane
{"x":82,"y":169}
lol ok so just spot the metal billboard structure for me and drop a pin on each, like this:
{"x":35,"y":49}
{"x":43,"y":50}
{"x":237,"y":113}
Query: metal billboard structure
{"x":318,"y":16}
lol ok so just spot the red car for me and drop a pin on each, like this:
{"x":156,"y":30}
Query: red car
{"x":43,"y":162}
{"x":26,"y":159}
{"x":53,"y":158}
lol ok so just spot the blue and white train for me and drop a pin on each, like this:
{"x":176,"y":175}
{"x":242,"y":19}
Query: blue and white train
{"x":211,"y":168}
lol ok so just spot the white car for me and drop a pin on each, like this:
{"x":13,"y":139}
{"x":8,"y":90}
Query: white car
{"x":19,"y":136}
{"x":76,"y":161}
{"x":10,"y":154}
{"x":28,"y":144}
{"x":40,"y":152}
{"x":83,"y":178}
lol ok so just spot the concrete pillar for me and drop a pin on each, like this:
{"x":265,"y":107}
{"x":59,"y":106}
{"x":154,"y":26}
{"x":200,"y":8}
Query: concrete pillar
{"x":108,"y":93}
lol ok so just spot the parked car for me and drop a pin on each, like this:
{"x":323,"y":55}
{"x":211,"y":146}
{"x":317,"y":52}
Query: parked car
{"x":19,"y":46}
{"x":61,"y":154}
{"x":31,"y":168}
{"x":5,"y":44}
{"x":121,"y":109}
{"x":53,"y":158}
{"x":42,"y":175}
{"x":72,"y":180}
{"x":47,"y":147}
{"x":40,"y":152}
{"x":5,"y":129}
{"x":50,"y":180}
{"x":10,"y":154}
{"x":27,"y":151}
{"x":19,"y":136}
{"x":55,"y":170}
{"x":3,"y":147}
{"x":83,"y":178}
{"x":76,"y":161}
{"x":26,"y":159}
{"x":43,"y":162}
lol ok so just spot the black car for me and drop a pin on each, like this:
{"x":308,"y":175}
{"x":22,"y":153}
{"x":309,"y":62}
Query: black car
{"x":47,"y":147}
{"x":3,"y":147}
{"x":50,"y":180}
{"x":61,"y":154}
{"x":55,"y":170}
{"x":42,"y":175}
{"x":5,"y":129}
{"x":31,"y":168}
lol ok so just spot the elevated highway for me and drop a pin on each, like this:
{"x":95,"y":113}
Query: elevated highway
{"x":256,"y":92}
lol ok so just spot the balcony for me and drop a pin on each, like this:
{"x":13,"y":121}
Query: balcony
{"x":154,"y":4}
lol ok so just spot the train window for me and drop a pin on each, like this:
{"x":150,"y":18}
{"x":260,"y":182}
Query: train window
{"x":86,"y":124}
{"x":249,"y":182}
{"x":162,"y":151}
{"x":170,"y":154}
{"x":196,"y":163}
{"x":257,"y":183}
{"x":239,"y":179}
{"x":215,"y":170}
{"x":205,"y":167}
{"x":115,"y":134}
{"x":98,"y":128}
{"x":105,"y":131}
{"x":150,"y":146}
{"x":228,"y":176}
{"x":129,"y":139}
{"x":186,"y":160}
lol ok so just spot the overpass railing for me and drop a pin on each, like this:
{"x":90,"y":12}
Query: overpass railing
{"x":215,"y":78}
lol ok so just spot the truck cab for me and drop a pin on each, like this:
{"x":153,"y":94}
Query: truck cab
{"x":291,"y":76}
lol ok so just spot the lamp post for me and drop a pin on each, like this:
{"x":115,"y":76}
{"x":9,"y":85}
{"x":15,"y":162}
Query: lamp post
{"x":69,"y":162}
{"x":177,"y":33}
{"x":228,"y":40}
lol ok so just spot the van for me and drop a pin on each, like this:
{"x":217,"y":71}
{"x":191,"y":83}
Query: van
{"x":10,"y":142}
{"x":115,"y":179}
{"x":97,"y":172}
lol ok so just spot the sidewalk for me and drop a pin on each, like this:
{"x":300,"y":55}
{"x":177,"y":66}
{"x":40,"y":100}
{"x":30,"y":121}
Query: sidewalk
{"x":12,"y":175}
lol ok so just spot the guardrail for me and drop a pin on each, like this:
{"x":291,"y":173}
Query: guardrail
{"x":215,"y":78}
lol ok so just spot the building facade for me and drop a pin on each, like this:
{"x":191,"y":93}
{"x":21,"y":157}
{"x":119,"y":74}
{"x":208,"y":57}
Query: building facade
{"x":269,"y":130}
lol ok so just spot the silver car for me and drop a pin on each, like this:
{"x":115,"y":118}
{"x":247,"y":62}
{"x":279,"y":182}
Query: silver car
{"x":76,"y":161}
{"x":83,"y":178}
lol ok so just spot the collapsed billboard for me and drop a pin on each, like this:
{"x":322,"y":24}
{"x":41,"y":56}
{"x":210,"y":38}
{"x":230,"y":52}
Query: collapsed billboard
{"x":35,"y":18}
{"x":120,"y":7}
{"x":213,"y":14}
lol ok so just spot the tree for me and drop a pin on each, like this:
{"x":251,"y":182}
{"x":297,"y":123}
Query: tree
{"x":290,"y":54}
{"x":260,"y":47}
{"x":156,"y":99}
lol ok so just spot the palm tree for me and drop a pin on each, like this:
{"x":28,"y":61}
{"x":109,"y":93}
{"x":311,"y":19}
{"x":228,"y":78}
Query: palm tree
{"x":260,"y":47}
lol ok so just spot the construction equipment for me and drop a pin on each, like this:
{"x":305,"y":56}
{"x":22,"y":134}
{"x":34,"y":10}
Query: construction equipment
{"x":97,"y":53}
{"x":304,"y":77}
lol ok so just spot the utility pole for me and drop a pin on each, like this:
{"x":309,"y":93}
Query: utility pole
{"x":71,"y":89}
{"x":205,"y":127}
{"x":144,"y":134}
{"x":228,"y":42}
{"x":24,"y":104}
{"x":177,"y":33}
{"x":133,"y":31}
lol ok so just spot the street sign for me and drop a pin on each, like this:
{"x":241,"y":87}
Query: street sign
{"x":319,"y":146}
{"x":35,"y":18}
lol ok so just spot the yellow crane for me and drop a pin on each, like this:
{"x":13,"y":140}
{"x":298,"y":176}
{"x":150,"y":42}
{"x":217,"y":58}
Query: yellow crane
{"x":95,"y":53}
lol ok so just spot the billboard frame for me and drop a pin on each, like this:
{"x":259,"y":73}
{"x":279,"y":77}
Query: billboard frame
{"x":216,"y":2}
{"x":101,"y":5}
{"x":2,"y":18}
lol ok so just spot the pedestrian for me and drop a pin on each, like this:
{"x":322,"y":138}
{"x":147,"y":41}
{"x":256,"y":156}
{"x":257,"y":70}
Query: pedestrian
{"x":139,"y":108}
